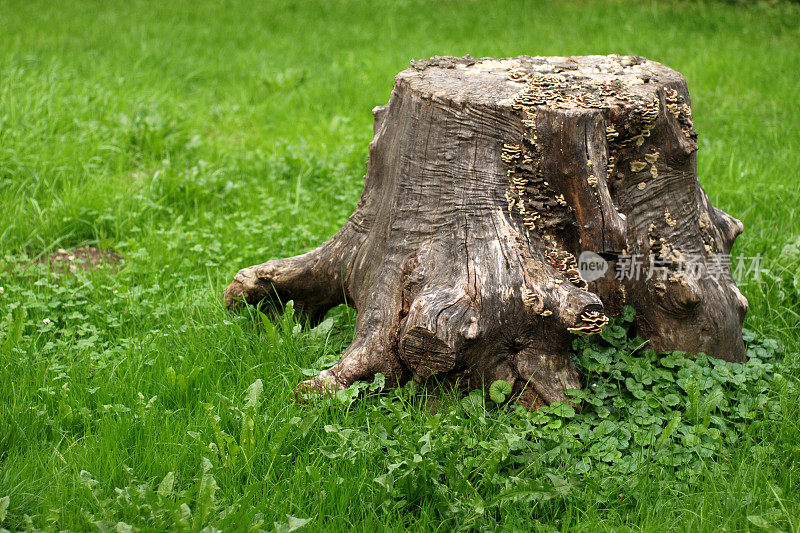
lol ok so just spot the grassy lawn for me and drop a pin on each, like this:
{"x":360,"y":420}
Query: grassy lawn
{"x":196,"y":138}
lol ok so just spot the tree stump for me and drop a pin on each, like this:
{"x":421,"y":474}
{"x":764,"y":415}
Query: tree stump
{"x":486,"y":180}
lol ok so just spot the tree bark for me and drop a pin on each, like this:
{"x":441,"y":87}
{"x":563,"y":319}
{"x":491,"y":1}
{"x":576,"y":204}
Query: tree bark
{"x":486,"y":180}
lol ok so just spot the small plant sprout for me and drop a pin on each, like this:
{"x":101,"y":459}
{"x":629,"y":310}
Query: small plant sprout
{"x":499,"y":390}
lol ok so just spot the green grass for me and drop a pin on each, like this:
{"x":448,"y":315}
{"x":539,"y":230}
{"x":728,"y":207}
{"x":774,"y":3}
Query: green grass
{"x":196,"y":138}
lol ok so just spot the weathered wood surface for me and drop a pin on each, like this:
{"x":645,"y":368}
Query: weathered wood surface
{"x":486,"y":179}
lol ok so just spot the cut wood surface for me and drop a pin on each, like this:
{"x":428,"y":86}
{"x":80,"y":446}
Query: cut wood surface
{"x":487,"y":179}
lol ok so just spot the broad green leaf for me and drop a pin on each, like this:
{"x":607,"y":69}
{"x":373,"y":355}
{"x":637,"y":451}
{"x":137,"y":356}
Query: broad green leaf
{"x":712,"y":401}
{"x":533,"y":492}
{"x":473,"y":404}
{"x":563,"y":410}
{"x":672,"y":399}
{"x":628,"y":313}
{"x":760,"y":521}
{"x":5,"y":501}
{"x":248,"y":435}
{"x":122,"y":527}
{"x":167,"y":484}
{"x":378,"y":383}
{"x":386,"y":481}
{"x":323,"y":328}
{"x":499,"y":390}
{"x":669,"y":431}
{"x":171,"y":377}
{"x":253,"y":394}
{"x":183,"y":385}
{"x":205,"y":495}
{"x":288,"y":310}
{"x":184,"y":515}
{"x":292,"y":524}
{"x":348,"y":396}
{"x":269,"y":328}
{"x":562,"y":485}
{"x":425,"y":440}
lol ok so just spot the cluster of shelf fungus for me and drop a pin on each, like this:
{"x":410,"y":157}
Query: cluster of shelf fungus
{"x":487,"y":179}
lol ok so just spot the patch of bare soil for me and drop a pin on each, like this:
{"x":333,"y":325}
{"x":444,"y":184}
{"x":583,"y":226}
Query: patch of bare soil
{"x":84,"y":258}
